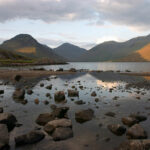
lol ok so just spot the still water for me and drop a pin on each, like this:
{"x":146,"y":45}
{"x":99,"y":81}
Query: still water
{"x":102,"y":66}
{"x":90,"y":135}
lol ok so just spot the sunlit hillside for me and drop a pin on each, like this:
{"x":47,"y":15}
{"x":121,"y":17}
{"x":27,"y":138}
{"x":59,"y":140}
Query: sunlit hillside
{"x":145,"y":52}
{"x":27,"y":50}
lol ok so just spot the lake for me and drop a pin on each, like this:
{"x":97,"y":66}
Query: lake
{"x":102,"y":66}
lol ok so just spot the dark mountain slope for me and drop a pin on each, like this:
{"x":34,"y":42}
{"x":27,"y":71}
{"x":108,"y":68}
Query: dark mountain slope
{"x":70,"y":52}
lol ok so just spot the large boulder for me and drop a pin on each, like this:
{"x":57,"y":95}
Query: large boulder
{"x":59,"y":96}
{"x":117,"y":129}
{"x":4,"y":137}
{"x":84,"y":115}
{"x":62,"y":133}
{"x":30,"y":138}
{"x":73,"y":93}
{"x":19,"y":94}
{"x":136,"y":132}
{"x":60,"y":112}
{"x":8,"y":119}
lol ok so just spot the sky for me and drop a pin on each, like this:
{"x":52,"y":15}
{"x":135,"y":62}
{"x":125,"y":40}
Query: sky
{"x":84,"y":23}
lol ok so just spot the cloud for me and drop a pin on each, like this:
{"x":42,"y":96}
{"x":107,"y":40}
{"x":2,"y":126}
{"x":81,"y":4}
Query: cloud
{"x":131,"y":13}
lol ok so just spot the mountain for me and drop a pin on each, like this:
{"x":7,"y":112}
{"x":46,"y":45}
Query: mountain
{"x":70,"y":52}
{"x":27,"y":46}
{"x":118,"y":51}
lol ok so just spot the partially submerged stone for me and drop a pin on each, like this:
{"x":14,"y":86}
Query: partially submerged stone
{"x":110,"y":114}
{"x":59,"y":96}
{"x":93,"y":94}
{"x":73,"y":93}
{"x":30,"y":138}
{"x":19,"y":94}
{"x":84,"y":115}
{"x":117,"y":129}
{"x":136,"y":132}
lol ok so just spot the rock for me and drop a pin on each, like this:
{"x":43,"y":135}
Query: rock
{"x":1,"y":92}
{"x":44,"y":118}
{"x":36,"y":101}
{"x":84,"y":115}
{"x":52,"y":125}
{"x":117,"y":129}
{"x":4,"y":137}
{"x":60,"y":69}
{"x":129,"y":121}
{"x":46,"y":102}
{"x":81,"y":87}
{"x":62,"y":134}
{"x":59,"y":96}
{"x":136,"y":132}
{"x":135,"y":145}
{"x":73,"y":70}
{"x":57,"y":113}
{"x":42,"y":84}
{"x":29,"y":92}
{"x":80,"y":102}
{"x":17,"y":77}
{"x":49,"y":87}
{"x":139,"y":118}
{"x":60,"y":112}
{"x":8,"y":119}
{"x":30,"y":138}
{"x":1,"y":110}
{"x":93,"y":94}
{"x":19,"y":94}
{"x":73,"y":93}
{"x":48,"y":95}
{"x":110,"y":114}
{"x":96,"y":100}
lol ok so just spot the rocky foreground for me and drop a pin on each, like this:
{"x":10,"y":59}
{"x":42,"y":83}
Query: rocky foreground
{"x":57,"y":124}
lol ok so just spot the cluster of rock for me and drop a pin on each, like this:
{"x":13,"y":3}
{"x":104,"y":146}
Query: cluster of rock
{"x":56,"y":123}
{"x":134,"y":133}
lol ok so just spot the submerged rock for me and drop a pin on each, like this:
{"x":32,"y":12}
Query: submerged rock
{"x":19,"y":94}
{"x":117,"y":129}
{"x":8,"y":119}
{"x":62,"y":134}
{"x":80,"y":102}
{"x":136,"y":132}
{"x":4,"y":137}
{"x":110,"y":114}
{"x":59,"y":96}
{"x":84,"y":115}
{"x":30,"y":138}
{"x":73,"y":93}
